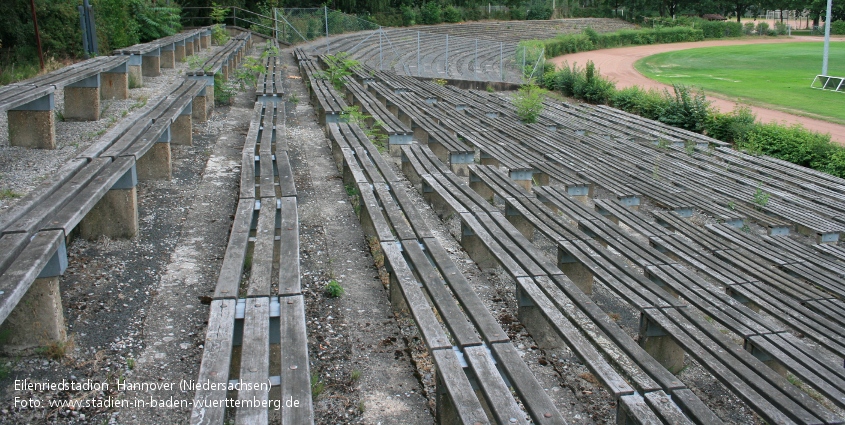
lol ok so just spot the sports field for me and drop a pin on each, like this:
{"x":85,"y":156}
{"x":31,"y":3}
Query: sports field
{"x":773,"y":75}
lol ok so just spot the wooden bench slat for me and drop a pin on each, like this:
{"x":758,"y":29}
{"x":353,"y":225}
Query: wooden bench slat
{"x":289,"y":278}
{"x":233,"y":261}
{"x":262,"y":254}
{"x":255,"y":362}
{"x":214,"y":369}
{"x":296,"y":378}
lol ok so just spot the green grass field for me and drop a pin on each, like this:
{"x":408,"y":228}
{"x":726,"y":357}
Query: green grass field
{"x":775,"y":75}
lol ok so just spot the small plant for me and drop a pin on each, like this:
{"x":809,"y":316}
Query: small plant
{"x":223,"y":91}
{"x":269,"y":50}
{"x":56,"y":350}
{"x":662,"y":143}
{"x":761,"y":199}
{"x":361,"y":406}
{"x":333,"y":289}
{"x":195,"y":62}
{"x":339,"y":67}
{"x":745,"y":228}
{"x":732,"y":206}
{"x":529,"y":102}
{"x":689,"y":147}
{"x":439,"y":81}
{"x":60,"y":116}
{"x":355,"y":375}
{"x":317,"y":386}
{"x":490,"y":89}
{"x":352,"y":115}
{"x":130,"y":363}
{"x":218,"y":32}
{"x":655,"y":172}
{"x":8,"y":194}
{"x":351,"y":190}
{"x":248,"y":262}
{"x":293,"y":98}
{"x":246,"y":74}
{"x":133,"y":81}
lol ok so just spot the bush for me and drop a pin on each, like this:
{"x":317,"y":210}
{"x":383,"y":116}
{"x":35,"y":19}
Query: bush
{"x":794,"y":144}
{"x":593,"y":88}
{"x":539,"y":12}
{"x":733,"y":29}
{"x":730,"y":127}
{"x":517,"y":14}
{"x":762,"y":28}
{"x":748,"y":28}
{"x":780,"y":28}
{"x":472,"y":14}
{"x":685,"y":110}
{"x":409,"y":17}
{"x":837,"y":27}
{"x":713,"y":29}
{"x":451,"y":15}
{"x":430,"y":13}
{"x":648,"y":104}
{"x":529,"y":102}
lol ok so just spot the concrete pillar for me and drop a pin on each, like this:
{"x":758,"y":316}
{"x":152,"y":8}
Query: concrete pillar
{"x":764,"y":357}
{"x":136,"y":75}
{"x":523,"y":178}
{"x":189,"y":46}
{"x":38,"y":319}
{"x":653,"y":274}
{"x":33,"y":125}
{"x":481,"y":188}
{"x":155,"y":164}
{"x":179,"y":51}
{"x":181,"y":129}
{"x":397,"y":299}
{"x":151,"y":63}
{"x":476,"y":249}
{"x":535,"y":322}
{"x":225,"y":70}
{"x":168,"y":56}
{"x":438,"y":204}
{"x":116,"y":214}
{"x":660,"y":345}
{"x":395,"y":143}
{"x":205,"y":40}
{"x":114,"y":83}
{"x":577,"y":272}
{"x":82,"y":100}
{"x":519,"y":221}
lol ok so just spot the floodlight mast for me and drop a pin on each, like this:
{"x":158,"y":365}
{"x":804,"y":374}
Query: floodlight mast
{"x":826,"y":38}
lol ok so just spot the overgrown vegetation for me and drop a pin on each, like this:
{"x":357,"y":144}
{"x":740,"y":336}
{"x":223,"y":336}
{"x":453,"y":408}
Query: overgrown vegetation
{"x":374,"y":132}
{"x":686,"y":109}
{"x":119,"y":23}
{"x":218,"y":31}
{"x":529,"y":102}
{"x":339,"y":66}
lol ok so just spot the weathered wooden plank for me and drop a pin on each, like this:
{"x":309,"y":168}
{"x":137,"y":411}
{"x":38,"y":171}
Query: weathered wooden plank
{"x":451,"y":375}
{"x":296,"y":378}
{"x":255,"y":363}
{"x":289,"y":278}
{"x":262,"y":255}
{"x":498,"y":396}
{"x":209,"y":402}
{"x":17,"y":279}
{"x":233,"y":261}
{"x":539,"y":405}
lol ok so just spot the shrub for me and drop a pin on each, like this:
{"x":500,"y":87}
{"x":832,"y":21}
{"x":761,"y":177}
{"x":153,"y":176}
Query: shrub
{"x":472,"y":14}
{"x":685,"y":110}
{"x":730,"y":127}
{"x":593,"y":88}
{"x":338,"y":67}
{"x":762,"y":28}
{"x":539,"y":12}
{"x":780,"y":28}
{"x":529,"y":102}
{"x":794,"y":144}
{"x":517,"y":14}
{"x":733,"y":29}
{"x":713,"y":29}
{"x":837,"y":27}
{"x":409,"y":17}
{"x":748,"y":28}
{"x":635,"y":100}
{"x":451,"y":14}
{"x":430,"y":13}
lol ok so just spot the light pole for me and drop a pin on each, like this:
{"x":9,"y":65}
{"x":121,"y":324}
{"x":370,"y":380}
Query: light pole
{"x":826,"y":38}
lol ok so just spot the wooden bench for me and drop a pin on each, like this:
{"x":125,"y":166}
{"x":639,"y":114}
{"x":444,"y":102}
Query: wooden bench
{"x":147,"y":59}
{"x":223,"y":62}
{"x":251,"y":314}
{"x":397,"y":132}
{"x":604,"y":267}
{"x":487,"y":246}
{"x":30,"y":104}
{"x":270,"y":85}
{"x":92,"y":195}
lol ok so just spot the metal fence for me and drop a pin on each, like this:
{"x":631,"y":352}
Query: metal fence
{"x":409,"y":52}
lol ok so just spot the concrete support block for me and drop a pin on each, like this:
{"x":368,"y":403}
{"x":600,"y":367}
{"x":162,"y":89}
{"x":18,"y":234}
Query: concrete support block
{"x":136,"y":77}
{"x":519,"y":222}
{"x":168,"y":58}
{"x":661,"y":346}
{"x":114,"y":85}
{"x":764,"y":357}
{"x":82,"y":103}
{"x":476,"y":249}
{"x":206,"y":41}
{"x":181,"y":130}
{"x":32,"y":129}
{"x":200,"y":110}
{"x":179,"y":52}
{"x":114,"y":216}
{"x":397,"y":300}
{"x":189,"y":47}
{"x":579,"y":274}
{"x":36,"y":321}
{"x":536,"y":323}
{"x":155,"y":164}
{"x":151,"y":66}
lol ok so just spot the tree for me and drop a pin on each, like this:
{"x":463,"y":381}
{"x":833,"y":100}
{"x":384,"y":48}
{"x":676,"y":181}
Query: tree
{"x":529,"y":102}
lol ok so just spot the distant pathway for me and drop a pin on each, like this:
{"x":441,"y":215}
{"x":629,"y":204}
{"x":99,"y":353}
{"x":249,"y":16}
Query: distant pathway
{"x":618,"y":65}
